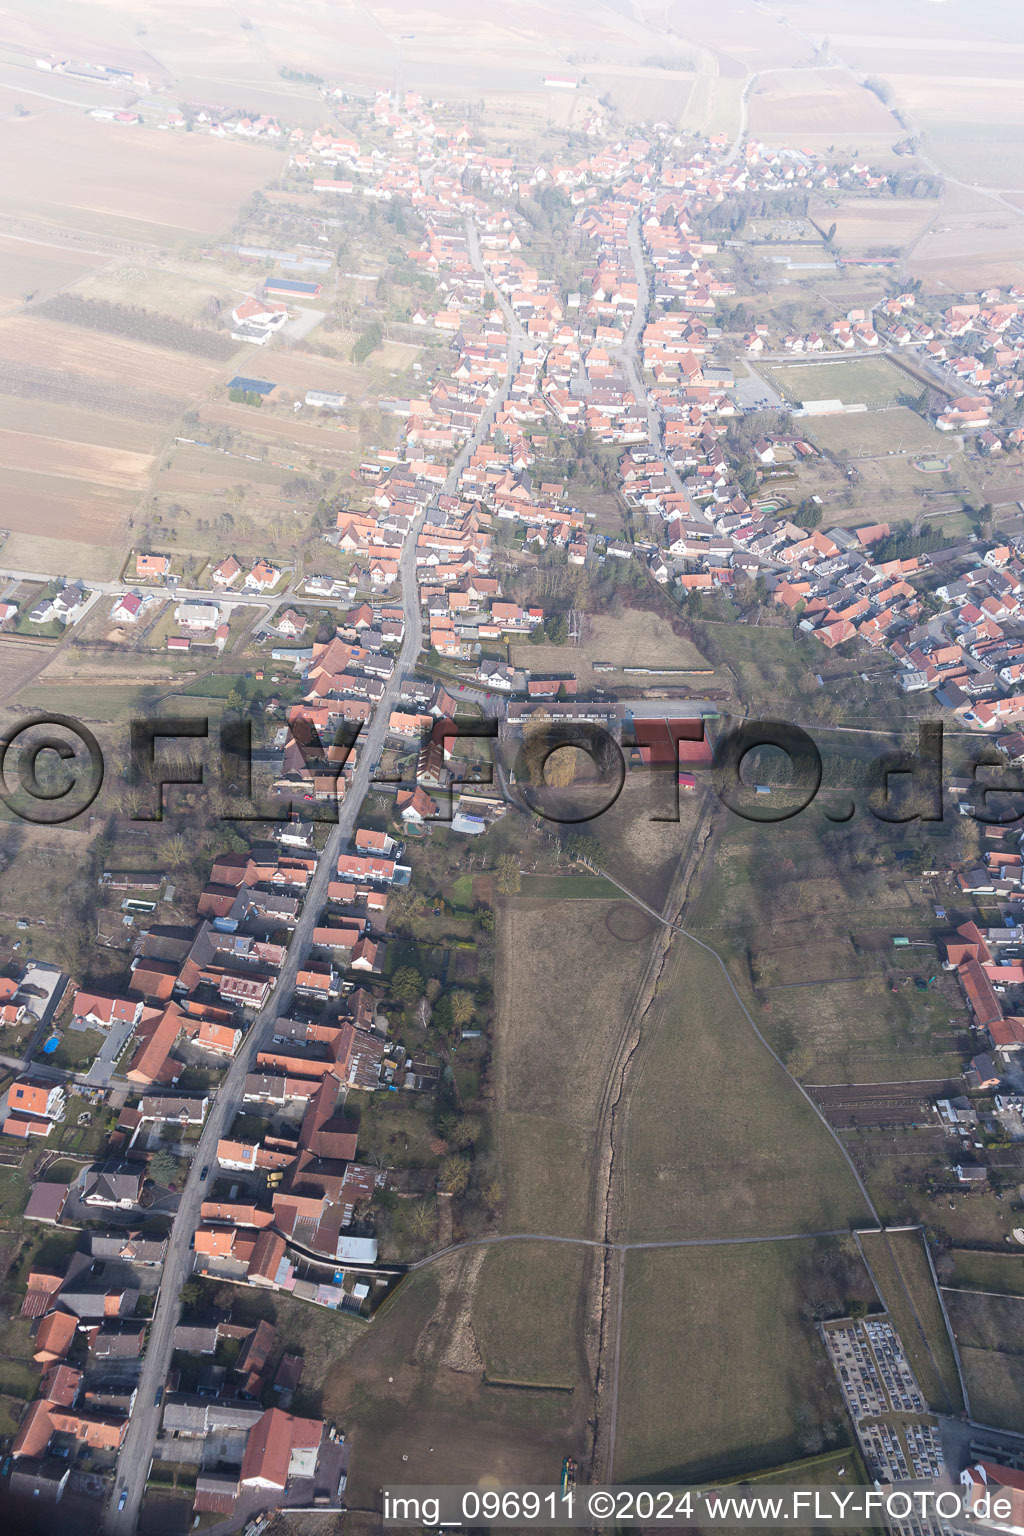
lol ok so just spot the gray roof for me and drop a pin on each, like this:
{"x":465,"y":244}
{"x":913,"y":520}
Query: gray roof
{"x":187,"y":1413}
{"x":172,"y":1107}
{"x":123,"y":1341}
{"x":196,"y":1339}
{"x":127,"y":1246}
{"x":40,"y":1477}
{"x":113,"y":1182}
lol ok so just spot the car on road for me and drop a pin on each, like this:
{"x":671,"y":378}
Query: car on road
{"x":203,"y":1175}
{"x":123,"y":1500}
{"x":159,"y":1397}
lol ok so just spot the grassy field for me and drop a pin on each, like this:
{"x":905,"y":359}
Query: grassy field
{"x":987,"y":1322}
{"x":641,"y":852}
{"x":794,"y":913}
{"x":900,"y":1269}
{"x":524,"y":1312}
{"x":714,"y":1140}
{"x":561,"y":1011}
{"x":25,"y":269}
{"x":39,"y":552}
{"x":1001,"y":1272}
{"x":995,"y":1384}
{"x":896,"y":429}
{"x":412,"y":1394}
{"x":989,"y":1331}
{"x":854,"y":380}
{"x":631,"y":639}
{"x":774,"y":671}
{"x":860,"y":1032}
{"x":568,"y":888}
{"x":718,"y":1371}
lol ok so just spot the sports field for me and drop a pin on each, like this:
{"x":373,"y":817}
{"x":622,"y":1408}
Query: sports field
{"x":862,"y":380}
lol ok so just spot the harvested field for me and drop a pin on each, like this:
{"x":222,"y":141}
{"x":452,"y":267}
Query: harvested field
{"x":978,"y":146}
{"x":29,"y":381}
{"x":641,"y":93}
{"x":216,"y":471}
{"x":69,"y":472}
{"x":817,"y":107}
{"x":19,"y":662}
{"x":30,"y":268}
{"x":39,"y":552}
{"x":75,"y":425}
{"x":763,"y":1383}
{"x":154,"y":186}
{"x":130,"y":364}
{"x":899,"y":1267}
{"x":103,"y":465}
{"x":873,"y":225}
{"x":693,"y":1162}
{"x":290,"y":431}
{"x":975,"y":242}
{"x":64,"y":506}
{"x":742,"y":38}
{"x":298,"y":371}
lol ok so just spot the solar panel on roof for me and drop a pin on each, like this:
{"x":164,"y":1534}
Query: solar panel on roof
{"x":256,"y":386}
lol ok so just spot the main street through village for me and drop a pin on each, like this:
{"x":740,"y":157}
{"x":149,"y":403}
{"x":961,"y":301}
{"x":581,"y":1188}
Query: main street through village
{"x":137,"y":1450}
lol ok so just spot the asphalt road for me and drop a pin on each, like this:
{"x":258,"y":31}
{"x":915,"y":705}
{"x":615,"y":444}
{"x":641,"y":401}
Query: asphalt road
{"x":137,"y":1451}
{"x":629,"y":351}
{"x":180,"y":594}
